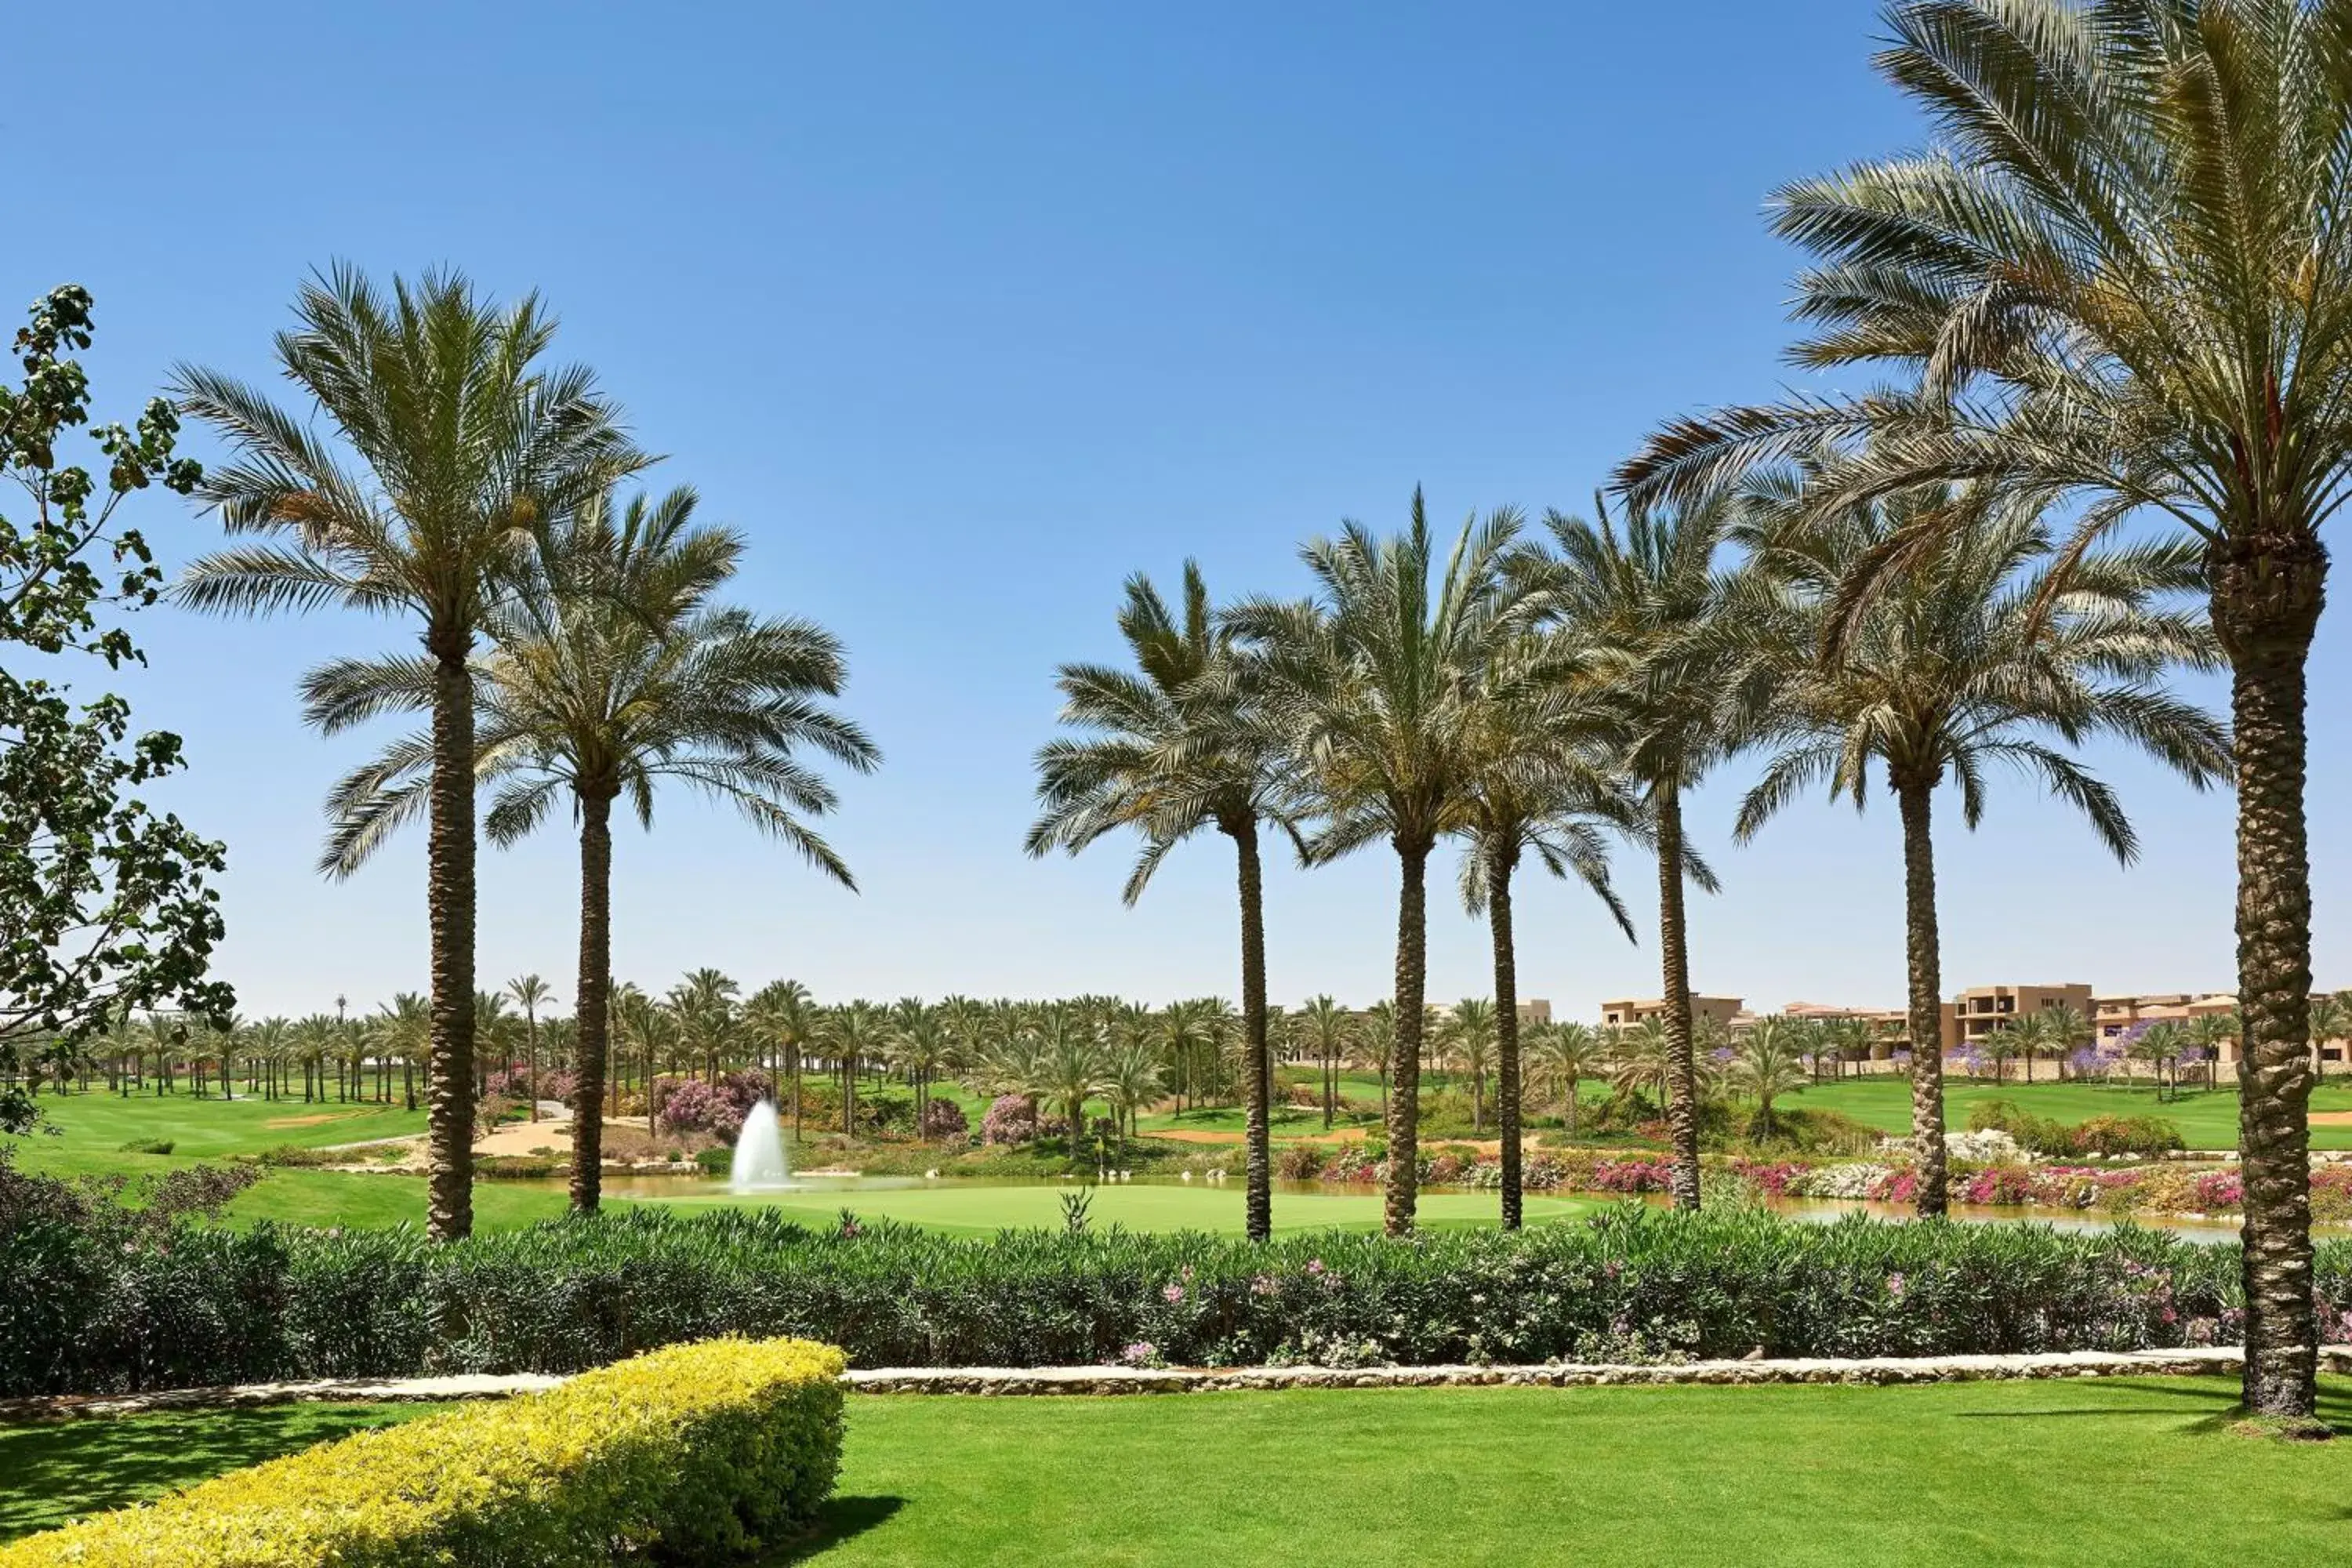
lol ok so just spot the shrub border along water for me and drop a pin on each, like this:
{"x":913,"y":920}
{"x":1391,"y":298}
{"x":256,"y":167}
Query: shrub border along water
{"x":696,"y":1453}
{"x":92,"y":1310}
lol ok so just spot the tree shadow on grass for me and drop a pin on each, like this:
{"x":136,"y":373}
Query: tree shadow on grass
{"x":840,"y":1518}
{"x":56,"y":1471}
{"x":2214,"y":1399}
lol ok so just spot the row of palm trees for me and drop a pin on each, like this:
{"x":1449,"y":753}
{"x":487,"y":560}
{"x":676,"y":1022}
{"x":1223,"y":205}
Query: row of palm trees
{"x":572,"y":649}
{"x":2115,"y":288}
{"x":2117,"y":284}
{"x":1542,"y":694}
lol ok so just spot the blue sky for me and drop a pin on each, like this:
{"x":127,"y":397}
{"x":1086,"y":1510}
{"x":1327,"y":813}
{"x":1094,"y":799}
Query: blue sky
{"x":964,"y":312}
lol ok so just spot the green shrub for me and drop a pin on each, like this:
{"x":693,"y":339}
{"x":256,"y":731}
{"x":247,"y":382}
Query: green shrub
{"x":2113,"y":1135}
{"x":717,"y":1162}
{"x":2036,"y":1134}
{"x":694,"y":1454}
{"x":2107,"y":1135}
{"x":148,"y":1146}
{"x":197,"y":1304}
{"x":293,"y":1154}
{"x":519,"y":1167}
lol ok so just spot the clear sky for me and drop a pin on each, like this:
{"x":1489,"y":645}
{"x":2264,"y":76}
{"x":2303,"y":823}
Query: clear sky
{"x":963,"y":312}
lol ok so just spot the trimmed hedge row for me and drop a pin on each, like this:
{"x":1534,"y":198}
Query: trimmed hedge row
{"x":698,"y":1453}
{"x":206,"y":1305}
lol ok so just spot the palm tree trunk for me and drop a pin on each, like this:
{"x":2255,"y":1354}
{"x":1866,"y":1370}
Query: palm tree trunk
{"x":1399,"y":1200}
{"x":1925,"y":950}
{"x":1506,"y":1031}
{"x":1674,"y":956}
{"x":1259,"y":1155}
{"x":449,"y":894}
{"x":2267,"y":594}
{"x":594,"y":1003}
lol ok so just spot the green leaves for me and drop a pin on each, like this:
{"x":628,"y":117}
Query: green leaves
{"x":105,"y":905}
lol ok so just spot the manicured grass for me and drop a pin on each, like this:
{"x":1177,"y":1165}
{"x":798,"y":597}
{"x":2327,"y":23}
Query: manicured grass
{"x":2207,"y":1119}
{"x":62,"y":1470}
{"x":984,"y":1210}
{"x":298,"y":1196}
{"x":2139,"y":1471}
{"x":90,"y":1130}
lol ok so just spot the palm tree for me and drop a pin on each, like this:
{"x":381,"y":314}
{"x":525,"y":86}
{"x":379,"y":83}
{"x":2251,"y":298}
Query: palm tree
{"x":1071,"y":1067}
{"x":1329,"y":1028}
{"x":455,"y":443}
{"x":1767,"y":1060}
{"x":2331,"y":1019}
{"x":402,"y":1031}
{"x":1130,"y":1079}
{"x":531,"y":994}
{"x":1652,"y":603}
{"x":781,"y":1017}
{"x":1641,"y":1060}
{"x":612,"y":673}
{"x":853,"y":1034}
{"x":2123,"y":276}
{"x":1380,"y":682}
{"x":1177,"y":746}
{"x":1544,"y":782}
{"x":1990,"y":648}
{"x":1566,"y":1054}
{"x":922,"y":1047}
{"x":1468,"y":1037}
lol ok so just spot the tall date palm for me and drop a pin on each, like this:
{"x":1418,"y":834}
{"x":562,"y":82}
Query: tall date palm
{"x":2122,"y":272}
{"x":613,"y":672}
{"x":450,"y":442}
{"x":1650,"y":600}
{"x":1379,"y":682}
{"x":1990,"y":649}
{"x":1176,"y":747}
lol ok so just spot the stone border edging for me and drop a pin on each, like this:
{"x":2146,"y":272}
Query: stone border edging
{"x":997,"y":1381}
{"x":1101,"y":1380}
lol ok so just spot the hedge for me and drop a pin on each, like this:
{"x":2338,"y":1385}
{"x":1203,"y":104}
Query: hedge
{"x":699,"y":1453}
{"x":200,"y":1304}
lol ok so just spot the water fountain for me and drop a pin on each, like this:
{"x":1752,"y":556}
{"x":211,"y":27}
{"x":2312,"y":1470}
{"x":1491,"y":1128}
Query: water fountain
{"x":760,"y":1164}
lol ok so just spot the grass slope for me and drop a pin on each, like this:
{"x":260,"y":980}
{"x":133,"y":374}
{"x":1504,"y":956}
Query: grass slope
{"x":2136,"y":1471}
{"x":2126,"y":1470}
{"x":2208,"y":1120}
{"x":90,"y":1130}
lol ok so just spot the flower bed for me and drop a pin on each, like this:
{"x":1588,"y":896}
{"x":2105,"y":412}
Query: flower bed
{"x":698,"y":1453}
{"x":2164,"y":1188}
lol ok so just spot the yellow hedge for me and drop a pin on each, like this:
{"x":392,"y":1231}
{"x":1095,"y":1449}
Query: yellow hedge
{"x":699,"y":1452}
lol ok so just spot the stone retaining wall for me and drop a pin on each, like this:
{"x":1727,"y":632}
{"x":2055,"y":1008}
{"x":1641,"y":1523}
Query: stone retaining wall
{"x":1106,"y":1380}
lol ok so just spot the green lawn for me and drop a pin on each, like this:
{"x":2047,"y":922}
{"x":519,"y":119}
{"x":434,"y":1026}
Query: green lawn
{"x":2141,"y":1471}
{"x":984,"y":1210}
{"x":56,"y":1471}
{"x":90,"y":1130}
{"x":2207,"y":1119}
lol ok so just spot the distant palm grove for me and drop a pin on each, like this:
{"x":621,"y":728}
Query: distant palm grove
{"x":2105,"y":320}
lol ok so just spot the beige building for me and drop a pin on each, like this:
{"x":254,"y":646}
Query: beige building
{"x":1985,"y":1008}
{"x":1626,"y":1014}
{"x":1890,"y":1027}
{"x":1534,"y":1010}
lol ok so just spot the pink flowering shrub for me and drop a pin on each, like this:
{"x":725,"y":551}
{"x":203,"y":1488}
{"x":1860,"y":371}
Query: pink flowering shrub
{"x":696,"y":1107}
{"x":945,"y":1122}
{"x":1010,"y":1119}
